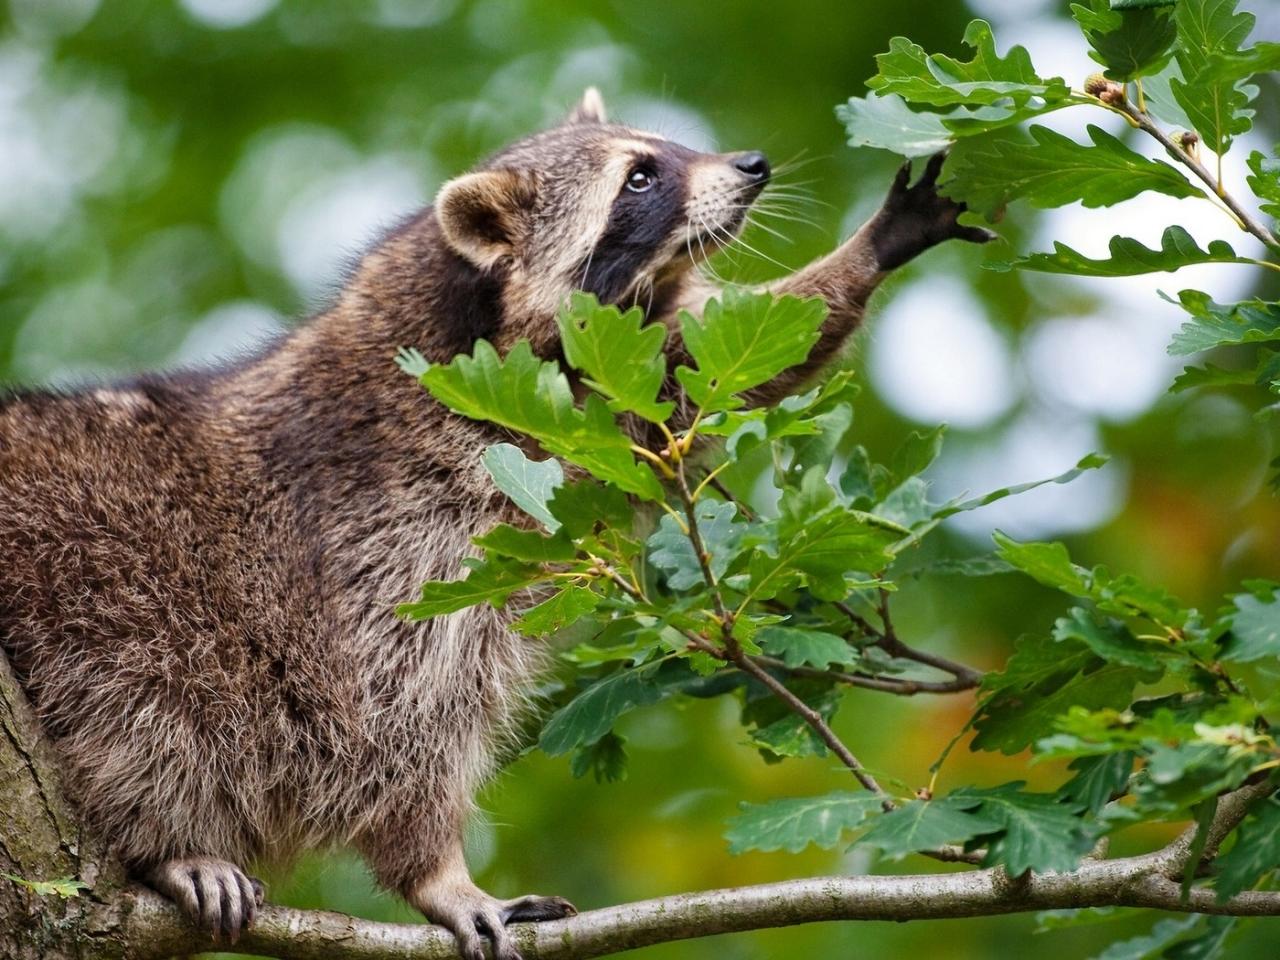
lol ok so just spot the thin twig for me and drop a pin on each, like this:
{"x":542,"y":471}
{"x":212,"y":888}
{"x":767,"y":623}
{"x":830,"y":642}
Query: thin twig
{"x":1144,"y":122}
{"x":718,"y":486}
{"x":886,"y":638}
{"x":815,"y":721}
{"x":704,"y":557}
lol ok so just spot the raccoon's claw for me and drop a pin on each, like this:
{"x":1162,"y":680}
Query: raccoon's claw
{"x":916,"y":217}
{"x":216,"y":896}
{"x":535,"y":909}
{"x":473,"y":916}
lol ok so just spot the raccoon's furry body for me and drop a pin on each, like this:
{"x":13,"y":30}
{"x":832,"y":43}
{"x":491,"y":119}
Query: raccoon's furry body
{"x":198,"y":572}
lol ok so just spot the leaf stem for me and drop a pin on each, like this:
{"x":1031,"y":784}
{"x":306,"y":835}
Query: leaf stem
{"x":653,"y":458}
{"x":709,"y":478}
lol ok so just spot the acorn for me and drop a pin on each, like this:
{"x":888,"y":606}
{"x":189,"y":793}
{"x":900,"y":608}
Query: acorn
{"x":1108,"y":91}
{"x":1189,"y":140}
{"x":1095,"y":83}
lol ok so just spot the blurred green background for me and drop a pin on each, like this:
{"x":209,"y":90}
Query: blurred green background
{"x":178,"y":179}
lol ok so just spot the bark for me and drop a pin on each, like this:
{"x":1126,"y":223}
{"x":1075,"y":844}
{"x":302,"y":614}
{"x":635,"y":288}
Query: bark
{"x":40,"y":840}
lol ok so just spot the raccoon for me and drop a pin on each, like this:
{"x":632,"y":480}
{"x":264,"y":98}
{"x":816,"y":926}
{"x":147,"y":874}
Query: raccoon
{"x":198,"y":570}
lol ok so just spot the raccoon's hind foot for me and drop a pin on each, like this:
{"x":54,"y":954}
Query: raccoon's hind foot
{"x":471,"y":914}
{"x":216,"y":896}
{"x":915,"y":217}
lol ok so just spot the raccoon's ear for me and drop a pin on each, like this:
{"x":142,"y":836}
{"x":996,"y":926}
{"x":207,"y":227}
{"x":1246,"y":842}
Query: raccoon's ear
{"x":483,"y":215}
{"x":590,"y":108}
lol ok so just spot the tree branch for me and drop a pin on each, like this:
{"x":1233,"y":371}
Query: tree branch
{"x":1246,"y":220}
{"x":112,"y":920}
{"x":310,"y":935}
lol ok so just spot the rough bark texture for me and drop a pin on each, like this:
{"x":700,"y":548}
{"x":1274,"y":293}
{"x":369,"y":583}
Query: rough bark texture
{"x":40,"y":840}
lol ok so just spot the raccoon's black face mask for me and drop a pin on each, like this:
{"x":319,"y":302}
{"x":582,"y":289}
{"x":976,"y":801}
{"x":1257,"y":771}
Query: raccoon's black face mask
{"x":594,"y":206}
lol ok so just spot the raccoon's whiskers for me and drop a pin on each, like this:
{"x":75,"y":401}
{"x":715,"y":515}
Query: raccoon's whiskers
{"x":582,"y":284}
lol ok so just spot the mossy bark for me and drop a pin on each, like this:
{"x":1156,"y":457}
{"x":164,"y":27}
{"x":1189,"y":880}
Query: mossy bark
{"x":41,"y":840}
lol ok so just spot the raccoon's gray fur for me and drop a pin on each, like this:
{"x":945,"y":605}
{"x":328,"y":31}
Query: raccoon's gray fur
{"x":198,"y":571}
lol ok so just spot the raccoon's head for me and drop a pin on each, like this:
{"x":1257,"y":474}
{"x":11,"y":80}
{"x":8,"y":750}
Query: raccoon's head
{"x":595,"y":206}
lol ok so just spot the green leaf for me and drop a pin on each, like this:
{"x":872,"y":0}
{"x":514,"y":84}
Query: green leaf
{"x":819,"y":541}
{"x":1091,"y":461}
{"x":1157,"y":90}
{"x":529,"y":545}
{"x":592,"y":714}
{"x":1180,"y":775}
{"x":672,"y":551}
{"x":916,"y":453}
{"x":940,"y":80}
{"x":817,"y":447}
{"x":744,"y":339}
{"x":583,"y":505}
{"x":798,"y":647}
{"x":1211,"y":90}
{"x":793,"y":823}
{"x":1040,"y":832}
{"x":1050,"y":920}
{"x":622,"y":358}
{"x":528,"y":483}
{"x":490,"y":582}
{"x":1047,"y":563}
{"x":924,"y":825}
{"x":1254,"y":625}
{"x":1098,"y":778}
{"x":1041,"y":682}
{"x":1216,"y":324}
{"x":1265,"y":181}
{"x":1211,"y":375}
{"x":533,"y":397}
{"x":1208,"y":943}
{"x":605,"y":760}
{"x":789,"y":735}
{"x":1128,"y":257}
{"x":558,"y":610}
{"x":1055,"y":171}
{"x":1129,"y":41}
{"x":887,"y":123}
{"x":64,"y":887}
{"x":1151,"y":945}
{"x":1122,"y":594}
{"x":1256,"y":852}
{"x":1108,"y":638}
{"x":981,"y":566}
{"x":411,"y":361}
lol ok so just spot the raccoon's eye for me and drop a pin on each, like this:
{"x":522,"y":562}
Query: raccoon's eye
{"x":641,"y":179}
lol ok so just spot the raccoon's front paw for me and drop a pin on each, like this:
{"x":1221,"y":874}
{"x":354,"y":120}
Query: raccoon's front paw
{"x":471,"y":915}
{"x":215,"y":895}
{"x":915,"y":217}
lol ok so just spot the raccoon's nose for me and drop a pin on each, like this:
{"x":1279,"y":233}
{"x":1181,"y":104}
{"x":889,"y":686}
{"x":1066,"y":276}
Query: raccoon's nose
{"x":754,"y":164}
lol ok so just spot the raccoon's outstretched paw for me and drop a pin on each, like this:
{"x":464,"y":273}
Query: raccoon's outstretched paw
{"x":915,"y":217}
{"x":216,"y":896}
